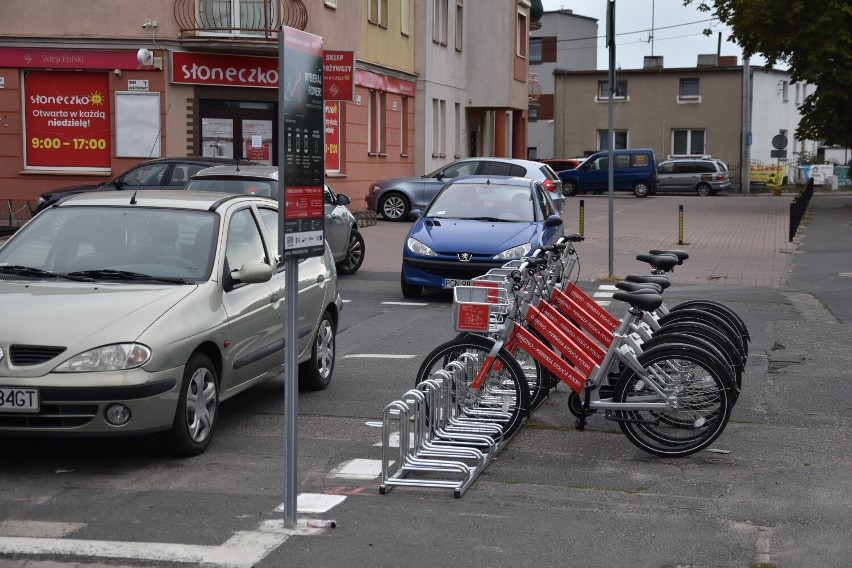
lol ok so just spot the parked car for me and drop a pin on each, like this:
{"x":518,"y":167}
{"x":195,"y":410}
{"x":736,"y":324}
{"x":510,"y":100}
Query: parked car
{"x":133,"y":315}
{"x":559,"y":165}
{"x":395,"y":198}
{"x":634,"y":170}
{"x":160,"y":173}
{"x":705,"y":176}
{"x":475,"y":224}
{"x":341,"y":227}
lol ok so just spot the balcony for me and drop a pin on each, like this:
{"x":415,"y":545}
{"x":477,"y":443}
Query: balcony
{"x":245,"y":20}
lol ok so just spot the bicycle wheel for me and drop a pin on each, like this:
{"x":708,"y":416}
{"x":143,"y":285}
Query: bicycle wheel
{"x":539,"y":379}
{"x":720,"y":310}
{"x":699,"y":397}
{"x":503,"y":398}
{"x":713,"y":320}
{"x":725,"y":350}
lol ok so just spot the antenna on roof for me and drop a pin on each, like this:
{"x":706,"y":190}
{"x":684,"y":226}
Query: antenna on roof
{"x":133,"y":198}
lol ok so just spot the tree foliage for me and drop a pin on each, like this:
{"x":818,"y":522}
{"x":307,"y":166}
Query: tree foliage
{"x":813,"y":38}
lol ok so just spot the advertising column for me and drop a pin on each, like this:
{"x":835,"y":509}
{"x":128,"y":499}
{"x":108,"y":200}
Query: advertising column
{"x":301,"y":176}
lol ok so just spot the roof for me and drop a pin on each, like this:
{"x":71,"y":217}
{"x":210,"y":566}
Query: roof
{"x":178,"y":199}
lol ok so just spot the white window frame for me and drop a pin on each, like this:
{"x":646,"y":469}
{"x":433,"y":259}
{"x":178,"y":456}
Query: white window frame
{"x":689,"y":99}
{"x":522,"y":34}
{"x":459,"y":24}
{"x":603,"y":86}
{"x":604,"y":133}
{"x":380,"y":7}
{"x":440,"y":21}
{"x":405,"y":17}
{"x":234,"y":19}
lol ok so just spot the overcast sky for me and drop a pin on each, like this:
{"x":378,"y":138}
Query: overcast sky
{"x":677,"y":32}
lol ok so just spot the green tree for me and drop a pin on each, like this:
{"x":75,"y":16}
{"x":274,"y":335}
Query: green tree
{"x":813,"y":38}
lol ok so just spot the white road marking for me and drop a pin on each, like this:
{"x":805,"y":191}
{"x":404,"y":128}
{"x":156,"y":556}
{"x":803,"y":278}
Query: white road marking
{"x":377,"y":356}
{"x":358,"y":469}
{"x":416,"y":304}
{"x":44,"y":529}
{"x":607,"y":287}
{"x":603,"y":294}
{"x":314,"y":502}
{"x":243,"y":550}
{"x":393,"y":440}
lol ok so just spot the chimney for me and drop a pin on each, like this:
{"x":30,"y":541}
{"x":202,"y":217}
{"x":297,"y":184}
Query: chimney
{"x":653,"y":62}
{"x":708,"y":60}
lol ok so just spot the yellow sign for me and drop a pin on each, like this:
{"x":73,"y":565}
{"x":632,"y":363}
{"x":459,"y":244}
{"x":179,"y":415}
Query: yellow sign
{"x":770,"y":174}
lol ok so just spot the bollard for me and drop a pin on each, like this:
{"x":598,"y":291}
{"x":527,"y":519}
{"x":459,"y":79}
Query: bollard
{"x":582,"y":218}
{"x":680,"y":225}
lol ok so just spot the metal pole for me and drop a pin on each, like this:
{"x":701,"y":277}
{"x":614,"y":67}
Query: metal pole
{"x":680,"y":225}
{"x":291,"y":390}
{"x":610,"y":36}
{"x":291,"y":287}
{"x":582,"y":218}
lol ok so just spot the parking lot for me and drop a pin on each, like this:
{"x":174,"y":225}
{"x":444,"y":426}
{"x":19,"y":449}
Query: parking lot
{"x":774,"y":490}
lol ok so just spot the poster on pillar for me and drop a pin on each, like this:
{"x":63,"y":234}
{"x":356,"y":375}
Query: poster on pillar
{"x":302,"y":154}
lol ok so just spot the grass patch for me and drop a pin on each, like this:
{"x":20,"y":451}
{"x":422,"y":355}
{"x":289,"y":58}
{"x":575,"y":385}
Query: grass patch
{"x":608,"y":278}
{"x":762,"y":565}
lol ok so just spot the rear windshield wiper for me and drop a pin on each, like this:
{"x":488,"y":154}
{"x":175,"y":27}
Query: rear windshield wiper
{"x":18,"y":270}
{"x":110,"y":274}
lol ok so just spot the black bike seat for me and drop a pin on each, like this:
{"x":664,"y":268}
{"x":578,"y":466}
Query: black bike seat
{"x":664,"y":262}
{"x":658,"y":279}
{"x":641,"y":300}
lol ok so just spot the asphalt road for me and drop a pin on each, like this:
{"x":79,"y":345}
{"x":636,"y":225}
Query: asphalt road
{"x":774,"y":489}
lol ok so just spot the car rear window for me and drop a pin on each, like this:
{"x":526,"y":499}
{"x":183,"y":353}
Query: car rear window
{"x":549,"y":173}
{"x":263,"y":188}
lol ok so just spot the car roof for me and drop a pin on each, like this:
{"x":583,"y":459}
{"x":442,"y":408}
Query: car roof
{"x":496,"y":180}
{"x":166,"y":199}
{"x":232,"y":171}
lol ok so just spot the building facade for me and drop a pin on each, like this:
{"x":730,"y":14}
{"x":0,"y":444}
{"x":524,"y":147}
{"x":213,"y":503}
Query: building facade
{"x":565,"y":41}
{"x":200,"y":77}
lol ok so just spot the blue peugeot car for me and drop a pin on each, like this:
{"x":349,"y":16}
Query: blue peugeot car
{"x":472,"y":225}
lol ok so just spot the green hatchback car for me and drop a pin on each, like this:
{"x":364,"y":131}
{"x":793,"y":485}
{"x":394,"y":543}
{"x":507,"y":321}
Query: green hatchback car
{"x":135,"y":314}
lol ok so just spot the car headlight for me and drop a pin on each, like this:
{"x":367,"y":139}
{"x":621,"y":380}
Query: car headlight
{"x":417,"y":247}
{"x":118,"y":357}
{"x":514,"y":252}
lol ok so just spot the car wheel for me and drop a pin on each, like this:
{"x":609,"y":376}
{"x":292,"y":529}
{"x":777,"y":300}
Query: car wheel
{"x":198,"y":404}
{"x":704,"y":190}
{"x":409,"y":290}
{"x":354,"y":254}
{"x":315,"y":374}
{"x":569,"y":188}
{"x":394,"y":207}
{"x":641,"y":189}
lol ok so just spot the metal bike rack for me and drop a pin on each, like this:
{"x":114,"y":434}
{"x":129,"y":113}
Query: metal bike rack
{"x":438,"y":442}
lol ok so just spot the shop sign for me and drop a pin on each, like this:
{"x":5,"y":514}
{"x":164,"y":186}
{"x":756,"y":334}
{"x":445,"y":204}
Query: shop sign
{"x":67,"y":118}
{"x":338,"y":75}
{"x":224,"y":70}
{"x":25,"y":57}
{"x":332,"y":136}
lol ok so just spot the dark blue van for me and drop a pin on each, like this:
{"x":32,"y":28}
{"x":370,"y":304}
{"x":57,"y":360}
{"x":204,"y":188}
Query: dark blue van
{"x":635,"y":170}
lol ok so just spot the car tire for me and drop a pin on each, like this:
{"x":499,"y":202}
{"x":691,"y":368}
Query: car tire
{"x":394,"y":206}
{"x":409,"y":290}
{"x":198,"y":405}
{"x":315,"y":374}
{"x":569,"y":188}
{"x":704,"y":190}
{"x":641,"y":189}
{"x":354,"y":254}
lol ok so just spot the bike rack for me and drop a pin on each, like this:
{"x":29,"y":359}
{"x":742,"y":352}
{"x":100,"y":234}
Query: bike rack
{"x":438,"y":442}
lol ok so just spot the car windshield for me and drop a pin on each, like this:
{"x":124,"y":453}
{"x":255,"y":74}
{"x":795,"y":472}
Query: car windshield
{"x":243,"y":186}
{"x":115,"y":243}
{"x":487,"y":202}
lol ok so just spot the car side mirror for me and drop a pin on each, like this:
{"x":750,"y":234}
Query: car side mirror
{"x":343,"y":199}
{"x":553,"y":221}
{"x":415,"y":214}
{"x":249,"y":273}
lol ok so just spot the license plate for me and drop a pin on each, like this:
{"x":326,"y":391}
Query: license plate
{"x":453,"y":282}
{"x":15,"y":399}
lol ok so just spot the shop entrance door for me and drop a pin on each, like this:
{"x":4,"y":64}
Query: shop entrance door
{"x":239,"y":129}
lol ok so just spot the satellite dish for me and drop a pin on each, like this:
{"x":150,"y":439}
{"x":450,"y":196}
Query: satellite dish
{"x":145,"y":57}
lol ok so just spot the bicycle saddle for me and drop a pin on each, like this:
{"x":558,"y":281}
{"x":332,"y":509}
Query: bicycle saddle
{"x":642,"y":300}
{"x":648,"y":287}
{"x":680,"y":254}
{"x":664,"y":262}
{"x":660,"y":280}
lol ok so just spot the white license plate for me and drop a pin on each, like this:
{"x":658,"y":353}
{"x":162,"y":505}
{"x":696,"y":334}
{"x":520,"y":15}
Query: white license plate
{"x":453,"y":282}
{"x":15,"y":399}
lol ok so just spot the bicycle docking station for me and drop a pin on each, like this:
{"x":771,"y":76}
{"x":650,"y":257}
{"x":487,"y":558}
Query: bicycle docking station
{"x":439,"y":444}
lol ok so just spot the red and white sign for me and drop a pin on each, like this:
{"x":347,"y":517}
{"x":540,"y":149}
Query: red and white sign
{"x":303,"y":202}
{"x":26,"y":57}
{"x":332,"y":136}
{"x":338,"y":69}
{"x":67,"y":118}
{"x":224,"y":70}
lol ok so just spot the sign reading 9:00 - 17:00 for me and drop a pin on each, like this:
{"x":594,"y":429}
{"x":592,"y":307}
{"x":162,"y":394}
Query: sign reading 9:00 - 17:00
{"x":67,"y":119}
{"x":74,"y":143}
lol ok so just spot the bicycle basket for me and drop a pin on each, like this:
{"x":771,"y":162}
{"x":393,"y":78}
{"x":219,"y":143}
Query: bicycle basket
{"x":479,"y":309}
